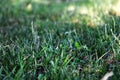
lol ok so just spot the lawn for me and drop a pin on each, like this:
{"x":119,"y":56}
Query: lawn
{"x":59,"y":39}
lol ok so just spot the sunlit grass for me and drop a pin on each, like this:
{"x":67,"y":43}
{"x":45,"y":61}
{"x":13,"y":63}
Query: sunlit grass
{"x":115,"y":8}
{"x":41,"y":1}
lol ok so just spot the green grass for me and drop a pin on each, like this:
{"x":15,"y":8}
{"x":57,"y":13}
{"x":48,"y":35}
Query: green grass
{"x":51,"y":42}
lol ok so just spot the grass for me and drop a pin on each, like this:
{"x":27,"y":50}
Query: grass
{"x":58,"y":41}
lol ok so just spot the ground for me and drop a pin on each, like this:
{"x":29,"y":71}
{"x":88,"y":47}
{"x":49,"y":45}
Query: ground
{"x":59,"y":39}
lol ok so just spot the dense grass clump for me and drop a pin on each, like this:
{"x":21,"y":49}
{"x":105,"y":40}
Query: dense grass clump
{"x":59,"y":40}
